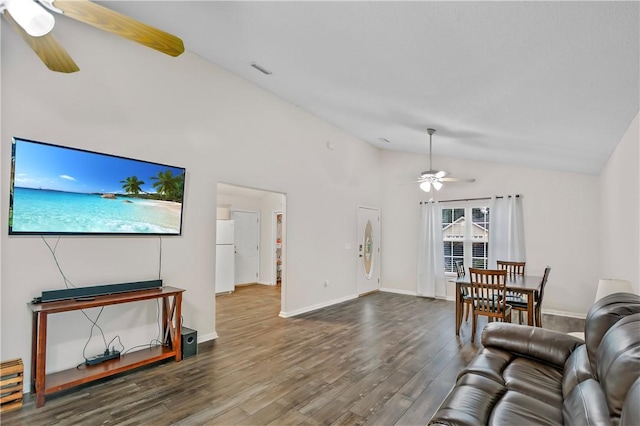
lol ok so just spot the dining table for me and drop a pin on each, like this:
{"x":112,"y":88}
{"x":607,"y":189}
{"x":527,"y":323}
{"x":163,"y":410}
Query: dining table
{"x":527,"y":285}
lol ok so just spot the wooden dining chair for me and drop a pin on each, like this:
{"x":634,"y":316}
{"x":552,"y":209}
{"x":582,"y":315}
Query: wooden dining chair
{"x":519,"y":303}
{"x":488,"y":287}
{"x":514,"y":298}
{"x":465,"y":294}
{"x":538,"y":303}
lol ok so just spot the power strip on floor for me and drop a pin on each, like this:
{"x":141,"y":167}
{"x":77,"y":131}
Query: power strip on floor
{"x":106,"y":356}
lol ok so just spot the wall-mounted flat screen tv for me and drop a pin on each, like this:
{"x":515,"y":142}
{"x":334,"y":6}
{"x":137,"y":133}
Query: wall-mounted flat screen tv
{"x":57,"y":190}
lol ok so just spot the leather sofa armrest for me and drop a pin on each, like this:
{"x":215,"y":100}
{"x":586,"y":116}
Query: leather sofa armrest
{"x":551,"y":347}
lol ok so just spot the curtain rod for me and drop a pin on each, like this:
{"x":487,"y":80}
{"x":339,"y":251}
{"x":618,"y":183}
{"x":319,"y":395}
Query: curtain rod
{"x":473,"y":199}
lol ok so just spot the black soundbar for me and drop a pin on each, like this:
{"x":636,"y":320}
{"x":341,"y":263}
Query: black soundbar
{"x":97,"y":290}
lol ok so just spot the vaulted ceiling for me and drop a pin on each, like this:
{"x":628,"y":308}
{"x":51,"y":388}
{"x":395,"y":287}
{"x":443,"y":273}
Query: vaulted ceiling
{"x":543,"y":84}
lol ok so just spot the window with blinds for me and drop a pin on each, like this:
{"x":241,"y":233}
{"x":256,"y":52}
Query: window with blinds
{"x":465,"y":234}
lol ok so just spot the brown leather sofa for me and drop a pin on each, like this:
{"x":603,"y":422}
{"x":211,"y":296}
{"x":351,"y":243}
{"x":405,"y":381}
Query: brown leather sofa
{"x":532,"y":376}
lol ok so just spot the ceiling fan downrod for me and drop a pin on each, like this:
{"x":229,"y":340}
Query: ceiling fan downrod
{"x":431,"y":132}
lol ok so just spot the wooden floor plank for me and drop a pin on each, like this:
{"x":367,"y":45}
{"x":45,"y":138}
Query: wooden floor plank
{"x":294,"y":418}
{"x":392,"y":411}
{"x":382,"y":359}
{"x":230,"y":417}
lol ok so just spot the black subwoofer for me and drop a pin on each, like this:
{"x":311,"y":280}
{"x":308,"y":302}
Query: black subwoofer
{"x":189,"y":342}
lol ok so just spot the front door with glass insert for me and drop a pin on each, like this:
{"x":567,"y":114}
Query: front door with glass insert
{"x":368,"y":245}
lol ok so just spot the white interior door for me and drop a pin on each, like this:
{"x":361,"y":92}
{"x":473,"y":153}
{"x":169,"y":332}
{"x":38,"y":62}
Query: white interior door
{"x":247,"y":241}
{"x":368,"y":245}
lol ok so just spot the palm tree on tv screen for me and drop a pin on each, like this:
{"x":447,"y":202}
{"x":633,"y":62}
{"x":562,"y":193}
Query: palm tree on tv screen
{"x":132,"y":185}
{"x":168,"y":185}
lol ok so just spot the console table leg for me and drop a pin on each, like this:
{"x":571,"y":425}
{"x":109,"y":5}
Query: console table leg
{"x":178,"y":323}
{"x":34,"y":349}
{"x":41,"y":357}
{"x":165,"y":321}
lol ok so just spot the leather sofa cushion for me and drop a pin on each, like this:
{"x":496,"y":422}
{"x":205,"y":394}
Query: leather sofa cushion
{"x":631,"y":408}
{"x":619,"y":362}
{"x":490,"y":363}
{"x":602,"y":315}
{"x":576,"y":370}
{"x":470,"y":402}
{"x":519,"y":409}
{"x":533,"y":342}
{"x":585,"y":405}
{"x":540,"y":381}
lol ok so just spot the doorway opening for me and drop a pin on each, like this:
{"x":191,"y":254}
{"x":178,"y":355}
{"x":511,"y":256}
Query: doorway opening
{"x":257,"y":217}
{"x":276,"y":264}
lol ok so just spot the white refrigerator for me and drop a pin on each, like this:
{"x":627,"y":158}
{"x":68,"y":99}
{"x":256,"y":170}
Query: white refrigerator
{"x":225,"y":257}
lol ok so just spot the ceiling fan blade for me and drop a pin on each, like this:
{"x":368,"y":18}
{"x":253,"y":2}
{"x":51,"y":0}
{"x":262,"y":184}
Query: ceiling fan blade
{"x":451,"y":179}
{"x":117,"y":23}
{"x":54,"y":56}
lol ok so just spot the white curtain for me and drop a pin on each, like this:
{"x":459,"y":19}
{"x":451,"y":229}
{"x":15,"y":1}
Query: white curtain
{"x":431,"y":281}
{"x":506,"y":230}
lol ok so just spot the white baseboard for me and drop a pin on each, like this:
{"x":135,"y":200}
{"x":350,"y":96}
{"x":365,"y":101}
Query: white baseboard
{"x":207,"y":337}
{"x":410,"y":293}
{"x":544,"y":311}
{"x":564,"y":314}
{"x":397,"y":291}
{"x":300,"y":311}
{"x":293,"y":313}
{"x":414,"y":293}
{"x":453,"y":299}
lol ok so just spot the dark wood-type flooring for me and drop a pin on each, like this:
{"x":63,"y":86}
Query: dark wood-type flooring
{"x":382,"y":359}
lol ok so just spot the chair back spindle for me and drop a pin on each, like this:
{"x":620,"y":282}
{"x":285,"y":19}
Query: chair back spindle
{"x":513,"y":268}
{"x":460,"y":268}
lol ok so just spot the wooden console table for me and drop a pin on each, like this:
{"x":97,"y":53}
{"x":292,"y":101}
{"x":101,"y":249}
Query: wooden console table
{"x":45,"y":384}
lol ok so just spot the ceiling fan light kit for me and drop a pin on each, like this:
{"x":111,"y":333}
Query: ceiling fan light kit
{"x":426,"y":185}
{"x":33,"y":22}
{"x":32,"y":17}
{"x":435,"y":178}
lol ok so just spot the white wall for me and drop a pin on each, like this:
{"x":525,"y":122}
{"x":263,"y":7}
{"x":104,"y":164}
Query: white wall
{"x":560,"y":214}
{"x":620,"y":210}
{"x":131,"y":101}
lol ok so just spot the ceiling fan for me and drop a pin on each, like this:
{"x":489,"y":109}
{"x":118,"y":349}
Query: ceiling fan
{"x":433,"y":177}
{"x":34,"y":22}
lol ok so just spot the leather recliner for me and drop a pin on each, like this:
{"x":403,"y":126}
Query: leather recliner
{"x":526,"y":375}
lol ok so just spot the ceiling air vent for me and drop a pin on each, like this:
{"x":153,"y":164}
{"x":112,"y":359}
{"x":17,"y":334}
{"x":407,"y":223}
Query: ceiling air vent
{"x":260,"y":68}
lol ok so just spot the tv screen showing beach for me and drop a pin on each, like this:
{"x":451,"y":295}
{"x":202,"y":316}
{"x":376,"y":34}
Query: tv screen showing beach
{"x":57,"y":190}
